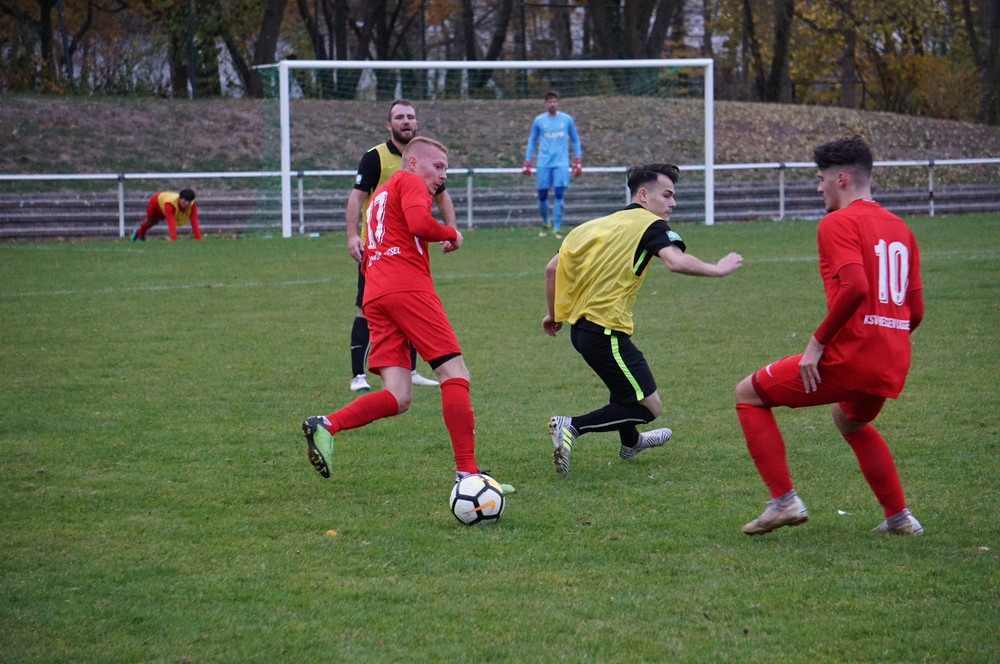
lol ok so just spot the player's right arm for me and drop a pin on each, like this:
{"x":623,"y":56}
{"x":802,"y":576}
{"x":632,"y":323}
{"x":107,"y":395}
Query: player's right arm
{"x":365,"y":182}
{"x":416,"y":207}
{"x":852,"y":284}
{"x":448,"y":216}
{"x":550,"y":325}
{"x":916,"y":308}
{"x":530,"y":151}
{"x":421,"y":224}
{"x":353,"y":218}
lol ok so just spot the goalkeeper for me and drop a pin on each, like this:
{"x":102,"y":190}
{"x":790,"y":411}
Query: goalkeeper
{"x":552,"y":132}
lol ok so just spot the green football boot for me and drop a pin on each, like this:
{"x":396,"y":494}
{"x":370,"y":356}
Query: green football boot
{"x":320,"y":443}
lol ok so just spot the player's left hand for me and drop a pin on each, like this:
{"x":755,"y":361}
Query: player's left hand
{"x":729,"y":263}
{"x":577,"y":167}
{"x":355,"y":247}
{"x":551,"y":326}
{"x":449,"y":246}
{"x":809,"y":365}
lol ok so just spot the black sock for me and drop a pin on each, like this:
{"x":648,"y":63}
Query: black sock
{"x":359,"y":346}
{"x":622,"y":418}
{"x":413,"y":357}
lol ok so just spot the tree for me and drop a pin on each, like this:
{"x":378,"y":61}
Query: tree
{"x":907,"y":55}
{"x":910,"y":56}
{"x":344,"y":40}
{"x":761,"y":82}
{"x":984,"y":17}
{"x":848,"y":56}
{"x":264,"y":47}
{"x":39,"y":22}
{"x":753,"y":61}
{"x":709,"y":16}
{"x":168,"y":22}
{"x":632,"y":28}
{"x":628,"y":29}
{"x":479,"y":77}
{"x":779,"y":82}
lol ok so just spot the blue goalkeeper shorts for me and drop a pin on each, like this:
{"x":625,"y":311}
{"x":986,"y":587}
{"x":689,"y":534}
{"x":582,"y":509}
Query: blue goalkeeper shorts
{"x":546,"y":178}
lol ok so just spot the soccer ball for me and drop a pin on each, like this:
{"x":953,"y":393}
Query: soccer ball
{"x":477,"y":499}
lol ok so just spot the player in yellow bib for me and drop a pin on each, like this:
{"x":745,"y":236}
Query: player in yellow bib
{"x":592,"y":284}
{"x":377,"y":165}
{"x":178,"y":209}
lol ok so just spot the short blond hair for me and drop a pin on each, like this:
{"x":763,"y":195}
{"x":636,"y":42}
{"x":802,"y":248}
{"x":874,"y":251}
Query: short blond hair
{"x":417,"y":142}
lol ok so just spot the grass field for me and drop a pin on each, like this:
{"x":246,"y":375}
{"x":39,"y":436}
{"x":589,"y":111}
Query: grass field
{"x":157,"y":504}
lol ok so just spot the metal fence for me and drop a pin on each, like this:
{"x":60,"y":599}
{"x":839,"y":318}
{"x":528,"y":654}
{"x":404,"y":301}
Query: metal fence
{"x":482,"y":196}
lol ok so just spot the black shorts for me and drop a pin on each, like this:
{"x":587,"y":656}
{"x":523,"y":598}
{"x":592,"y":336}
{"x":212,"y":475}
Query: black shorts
{"x":361,"y":288}
{"x":616,"y":360}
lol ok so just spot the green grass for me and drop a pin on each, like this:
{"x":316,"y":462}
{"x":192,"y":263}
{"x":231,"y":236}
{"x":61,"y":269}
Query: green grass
{"x":157,"y":504}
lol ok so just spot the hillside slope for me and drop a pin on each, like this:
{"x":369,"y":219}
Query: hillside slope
{"x":101,"y":135}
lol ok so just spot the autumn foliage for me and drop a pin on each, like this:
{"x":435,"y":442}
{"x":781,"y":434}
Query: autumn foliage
{"x":938,"y":58}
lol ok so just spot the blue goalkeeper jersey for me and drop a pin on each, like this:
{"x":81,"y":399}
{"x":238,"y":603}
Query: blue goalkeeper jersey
{"x":551,"y":135}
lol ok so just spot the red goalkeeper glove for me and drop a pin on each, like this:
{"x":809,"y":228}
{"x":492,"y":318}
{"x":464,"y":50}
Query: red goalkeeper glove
{"x":577,"y":167}
{"x":527,"y":167}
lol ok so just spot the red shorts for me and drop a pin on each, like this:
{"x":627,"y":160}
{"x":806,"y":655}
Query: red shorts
{"x":780,"y":384}
{"x":396,"y":320}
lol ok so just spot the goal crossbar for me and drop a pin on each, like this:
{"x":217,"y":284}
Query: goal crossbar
{"x":285,"y":66}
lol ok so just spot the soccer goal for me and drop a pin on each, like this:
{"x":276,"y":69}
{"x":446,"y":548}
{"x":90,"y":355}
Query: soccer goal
{"x":622,"y":82}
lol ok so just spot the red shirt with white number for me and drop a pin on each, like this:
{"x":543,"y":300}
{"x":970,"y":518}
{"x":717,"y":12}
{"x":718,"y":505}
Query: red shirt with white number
{"x":398,"y":226}
{"x":871,"y":352}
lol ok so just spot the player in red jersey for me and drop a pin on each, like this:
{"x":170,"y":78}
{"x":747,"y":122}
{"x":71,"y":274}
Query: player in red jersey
{"x":860,"y":353}
{"x":376,"y":167}
{"x":402,"y":307}
{"x":177,"y":209}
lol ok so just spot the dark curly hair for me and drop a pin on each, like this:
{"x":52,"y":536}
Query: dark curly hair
{"x":851,"y":151}
{"x":646,"y":173}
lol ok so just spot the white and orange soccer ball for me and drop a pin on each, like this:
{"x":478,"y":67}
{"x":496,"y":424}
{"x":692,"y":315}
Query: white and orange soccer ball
{"x":477,"y":499}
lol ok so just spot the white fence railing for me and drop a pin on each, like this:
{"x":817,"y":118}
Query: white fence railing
{"x":780,"y":168}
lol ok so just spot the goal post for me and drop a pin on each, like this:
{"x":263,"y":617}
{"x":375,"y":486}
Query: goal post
{"x":286,"y":67}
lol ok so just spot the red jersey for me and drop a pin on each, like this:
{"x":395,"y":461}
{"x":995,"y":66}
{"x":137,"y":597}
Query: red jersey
{"x":871,"y":352}
{"x":398,"y":226}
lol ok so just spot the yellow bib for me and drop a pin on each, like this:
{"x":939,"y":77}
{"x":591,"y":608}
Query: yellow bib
{"x":390,"y":163}
{"x":181,"y":217}
{"x":596,"y":278}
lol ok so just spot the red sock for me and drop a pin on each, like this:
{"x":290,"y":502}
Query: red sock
{"x":461,"y":423}
{"x":878,"y":468}
{"x":366,"y":408}
{"x":145,"y":226}
{"x":766,"y":446}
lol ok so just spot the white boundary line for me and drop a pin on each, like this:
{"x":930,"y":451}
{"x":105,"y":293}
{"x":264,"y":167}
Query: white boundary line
{"x":991,"y":254}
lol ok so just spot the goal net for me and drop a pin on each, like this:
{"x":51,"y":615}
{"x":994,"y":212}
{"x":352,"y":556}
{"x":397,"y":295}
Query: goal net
{"x":627,"y":112}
